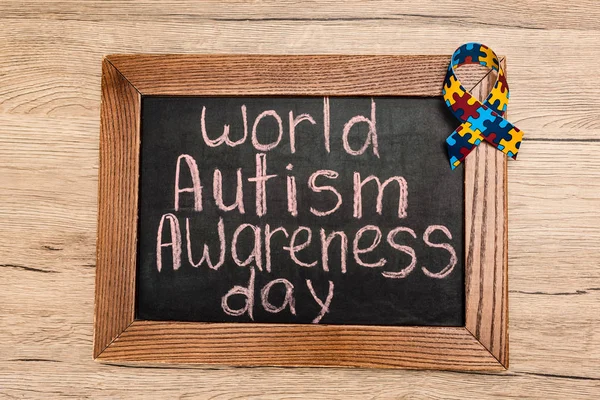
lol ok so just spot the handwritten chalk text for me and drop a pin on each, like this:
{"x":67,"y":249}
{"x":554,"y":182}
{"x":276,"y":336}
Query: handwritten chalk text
{"x":184,"y":239}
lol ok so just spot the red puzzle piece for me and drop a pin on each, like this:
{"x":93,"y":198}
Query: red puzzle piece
{"x":461,"y":103}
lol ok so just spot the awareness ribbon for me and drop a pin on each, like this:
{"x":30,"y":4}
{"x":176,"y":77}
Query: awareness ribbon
{"x":480,"y":121}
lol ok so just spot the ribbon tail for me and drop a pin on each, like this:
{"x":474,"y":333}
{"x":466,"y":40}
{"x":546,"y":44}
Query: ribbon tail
{"x":509,"y":144}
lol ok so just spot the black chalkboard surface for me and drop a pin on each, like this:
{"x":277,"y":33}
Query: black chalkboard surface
{"x":399,"y":262}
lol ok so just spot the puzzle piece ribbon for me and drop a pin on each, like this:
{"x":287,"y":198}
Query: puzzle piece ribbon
{"x":480,"y":121}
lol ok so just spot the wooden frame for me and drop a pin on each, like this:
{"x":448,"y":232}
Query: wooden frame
{"x":481,"y":345}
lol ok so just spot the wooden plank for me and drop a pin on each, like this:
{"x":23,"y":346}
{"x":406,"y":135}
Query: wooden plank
{"x":302,"y":75}
{"x":311,"y":75}
{"x":40,"y":48}
{"x":553,"y":219}
{"x":300,"y":345}
{"x":42,"y":379}
{"x":540,"y":14}
{"x":117,"y":207}
{"x":486,"y":241}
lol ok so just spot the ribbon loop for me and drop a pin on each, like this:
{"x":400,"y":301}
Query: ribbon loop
{"x":479,"y":121}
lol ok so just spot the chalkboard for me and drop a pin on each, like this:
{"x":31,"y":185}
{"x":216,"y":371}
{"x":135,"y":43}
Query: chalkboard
{"x":330,"y":210}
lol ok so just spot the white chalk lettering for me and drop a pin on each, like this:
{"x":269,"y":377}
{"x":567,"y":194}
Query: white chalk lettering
{"x":358,"y":251}
{"x":196,"y":188}
{"x":174,"y":244}
{"x":402,"y":196}
{"x":288,"y":301}
{"x":206,"y":251}
{"x":293,"y":248}
{"x":371,"y":138}
{"x":324,"y":305}
{"x":403,"y":273}
{"x":318,"y":189}
{"x":247,"y":292}
{"x":256,"y":253}
{"x":447,"y":270}
{"x":261,"y":179}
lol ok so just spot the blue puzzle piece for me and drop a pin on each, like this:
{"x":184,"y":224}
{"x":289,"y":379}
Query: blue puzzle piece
{"x":485,"y":114}
{"x":497,"y":129}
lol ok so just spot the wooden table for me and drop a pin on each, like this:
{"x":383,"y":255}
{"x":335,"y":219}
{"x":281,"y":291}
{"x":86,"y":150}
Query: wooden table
{"x":50,"y":57}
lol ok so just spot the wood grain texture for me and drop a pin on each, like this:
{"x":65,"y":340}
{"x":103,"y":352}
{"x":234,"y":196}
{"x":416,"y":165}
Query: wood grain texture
{"x":295,"y":345}
{"x":117,"y":207}
{"x":120,"y":338}
{"x":544,"y":60}
{"x":49,"y":126}
{"x":486,"y":241}
{"x":310,"y":75}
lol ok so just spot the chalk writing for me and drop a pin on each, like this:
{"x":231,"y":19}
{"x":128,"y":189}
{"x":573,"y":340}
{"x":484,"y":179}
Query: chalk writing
{"x":268,"y":191}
